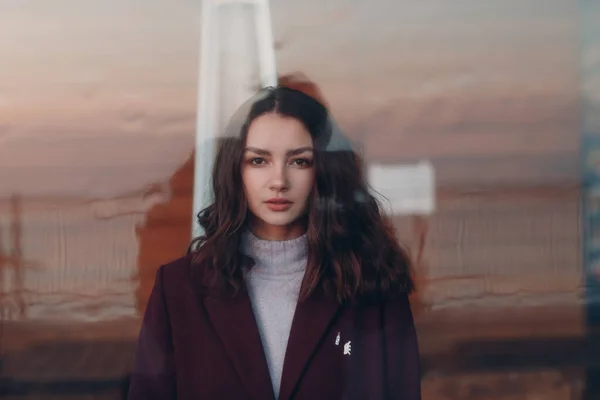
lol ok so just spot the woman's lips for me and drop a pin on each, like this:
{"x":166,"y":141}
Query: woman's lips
{"x":278,"y":204}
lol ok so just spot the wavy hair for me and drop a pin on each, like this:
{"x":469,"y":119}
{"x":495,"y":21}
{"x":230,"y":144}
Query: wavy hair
{"x":352,"y":248}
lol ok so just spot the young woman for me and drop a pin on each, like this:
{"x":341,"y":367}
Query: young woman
{"x":298,"y":288}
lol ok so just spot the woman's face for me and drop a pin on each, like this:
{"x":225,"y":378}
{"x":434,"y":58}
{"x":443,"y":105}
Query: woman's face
{"x":278,"y":175}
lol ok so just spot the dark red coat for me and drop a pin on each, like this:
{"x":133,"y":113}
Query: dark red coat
{"x":193,"y":346}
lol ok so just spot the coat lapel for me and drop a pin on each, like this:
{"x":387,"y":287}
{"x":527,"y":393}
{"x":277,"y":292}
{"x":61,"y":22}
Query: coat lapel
{"x":312,"y":320}
{"x":234,"y":322}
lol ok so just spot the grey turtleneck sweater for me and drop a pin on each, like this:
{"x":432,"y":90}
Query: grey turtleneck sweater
{"x":273,"y":286}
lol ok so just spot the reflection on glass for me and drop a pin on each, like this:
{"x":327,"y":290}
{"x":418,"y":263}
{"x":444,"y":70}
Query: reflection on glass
{"x":100,"y":104}
{"x":237,"y":58}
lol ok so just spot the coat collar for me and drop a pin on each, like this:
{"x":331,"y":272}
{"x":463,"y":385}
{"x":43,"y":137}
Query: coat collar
{"x":235,"y":324}
{"x":312,"y":320}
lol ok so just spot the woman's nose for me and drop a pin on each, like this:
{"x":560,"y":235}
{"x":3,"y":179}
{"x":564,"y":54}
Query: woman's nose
{"x":279,"y":178}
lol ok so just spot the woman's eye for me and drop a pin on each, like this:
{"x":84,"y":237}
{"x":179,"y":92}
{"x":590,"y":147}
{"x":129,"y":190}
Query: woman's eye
{"x":301,"y":162}
{"x":257,"y":161}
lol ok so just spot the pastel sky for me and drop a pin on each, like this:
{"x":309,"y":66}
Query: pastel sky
{"x":98,"y":97}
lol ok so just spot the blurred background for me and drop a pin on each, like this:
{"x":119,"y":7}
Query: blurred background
{"x":99,"y":120}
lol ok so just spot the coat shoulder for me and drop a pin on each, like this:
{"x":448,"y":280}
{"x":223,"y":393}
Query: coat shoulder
{"x":176,"y":274}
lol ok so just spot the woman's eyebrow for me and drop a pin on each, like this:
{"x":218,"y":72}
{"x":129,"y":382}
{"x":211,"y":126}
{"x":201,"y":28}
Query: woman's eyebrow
{"x":258,"y":151}
{"x":291,"y":152}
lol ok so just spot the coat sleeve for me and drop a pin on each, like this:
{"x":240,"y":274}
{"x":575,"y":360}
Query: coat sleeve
{"x":402,"y":351}
{"x":153,"y":376}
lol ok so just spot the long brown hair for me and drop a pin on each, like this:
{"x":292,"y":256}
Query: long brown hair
{"x":352,"y":248}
